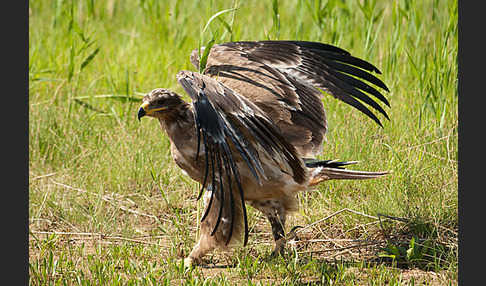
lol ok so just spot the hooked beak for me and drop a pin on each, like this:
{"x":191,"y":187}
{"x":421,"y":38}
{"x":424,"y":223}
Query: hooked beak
{"x":145,"y":110}
{"x":142,"y":110}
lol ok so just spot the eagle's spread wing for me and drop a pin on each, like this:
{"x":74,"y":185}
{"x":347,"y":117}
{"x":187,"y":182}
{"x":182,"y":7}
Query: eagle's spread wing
{"x":234,"y":130}
{"x":301,"y":64}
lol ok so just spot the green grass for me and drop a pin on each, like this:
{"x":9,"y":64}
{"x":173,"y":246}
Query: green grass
{"x":108,"y":206}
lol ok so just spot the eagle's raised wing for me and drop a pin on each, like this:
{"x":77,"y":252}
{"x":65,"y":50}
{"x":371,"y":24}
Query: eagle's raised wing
{"x":234,"y":131}
{"x":322,"y":66}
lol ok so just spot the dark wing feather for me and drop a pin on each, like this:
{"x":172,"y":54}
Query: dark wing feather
{"x":222,"y":119}
{"x":324,"y":66}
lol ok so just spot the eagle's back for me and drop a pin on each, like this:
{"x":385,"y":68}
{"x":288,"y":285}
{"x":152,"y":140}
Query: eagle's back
{"x":295,"y":107}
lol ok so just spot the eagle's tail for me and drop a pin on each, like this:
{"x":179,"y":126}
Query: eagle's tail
{"x":333,"y":170}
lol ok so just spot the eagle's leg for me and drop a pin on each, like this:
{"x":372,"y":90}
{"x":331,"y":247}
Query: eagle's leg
{"x":222,"y":237}
{"x":278,"y":235}
{"x":276,"y":215}
{"x":202,"y":247}
{"x":206,"y":243}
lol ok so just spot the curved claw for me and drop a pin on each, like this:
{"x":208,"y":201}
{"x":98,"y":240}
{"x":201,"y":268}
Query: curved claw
{"x":292,"y":234}
{"x":280,"y":243}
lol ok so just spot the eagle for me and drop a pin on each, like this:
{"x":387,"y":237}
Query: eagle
{"x":255,"y":127}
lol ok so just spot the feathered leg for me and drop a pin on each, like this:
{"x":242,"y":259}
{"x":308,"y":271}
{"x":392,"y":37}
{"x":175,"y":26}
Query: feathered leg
{"x":205,"y":243}
{"x":211,"y":237}
{"x":202,"y":247}
{"x":276,"y":213}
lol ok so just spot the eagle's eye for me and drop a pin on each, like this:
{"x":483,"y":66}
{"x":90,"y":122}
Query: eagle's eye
{"x":159,"y":102}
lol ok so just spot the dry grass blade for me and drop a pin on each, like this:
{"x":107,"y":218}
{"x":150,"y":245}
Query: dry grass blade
{"x":110,"y":201}
{"x":342,"y":248}
{"x":98,"y":236}
{"x":43,"y":176}
{"x":334,"y":214}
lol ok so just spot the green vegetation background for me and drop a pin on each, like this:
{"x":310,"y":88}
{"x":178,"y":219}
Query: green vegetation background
{"x":107,"y":205}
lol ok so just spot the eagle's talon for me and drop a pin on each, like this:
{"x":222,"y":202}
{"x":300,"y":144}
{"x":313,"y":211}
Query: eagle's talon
{"x":292,"y":234}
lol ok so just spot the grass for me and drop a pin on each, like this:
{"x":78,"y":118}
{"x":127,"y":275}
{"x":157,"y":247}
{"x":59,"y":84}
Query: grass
{"x":108,"y":206}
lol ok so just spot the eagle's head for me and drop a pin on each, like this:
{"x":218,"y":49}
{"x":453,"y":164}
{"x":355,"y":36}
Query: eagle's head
{"x":159,"y":102}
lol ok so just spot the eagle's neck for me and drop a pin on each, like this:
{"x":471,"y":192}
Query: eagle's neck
{"x":177,"y":119}
{"x":181,"y":129}
{"x":179,"y":124}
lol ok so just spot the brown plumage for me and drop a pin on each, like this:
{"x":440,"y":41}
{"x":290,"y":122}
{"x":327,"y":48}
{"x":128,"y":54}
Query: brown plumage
{"x":254,"y":127}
